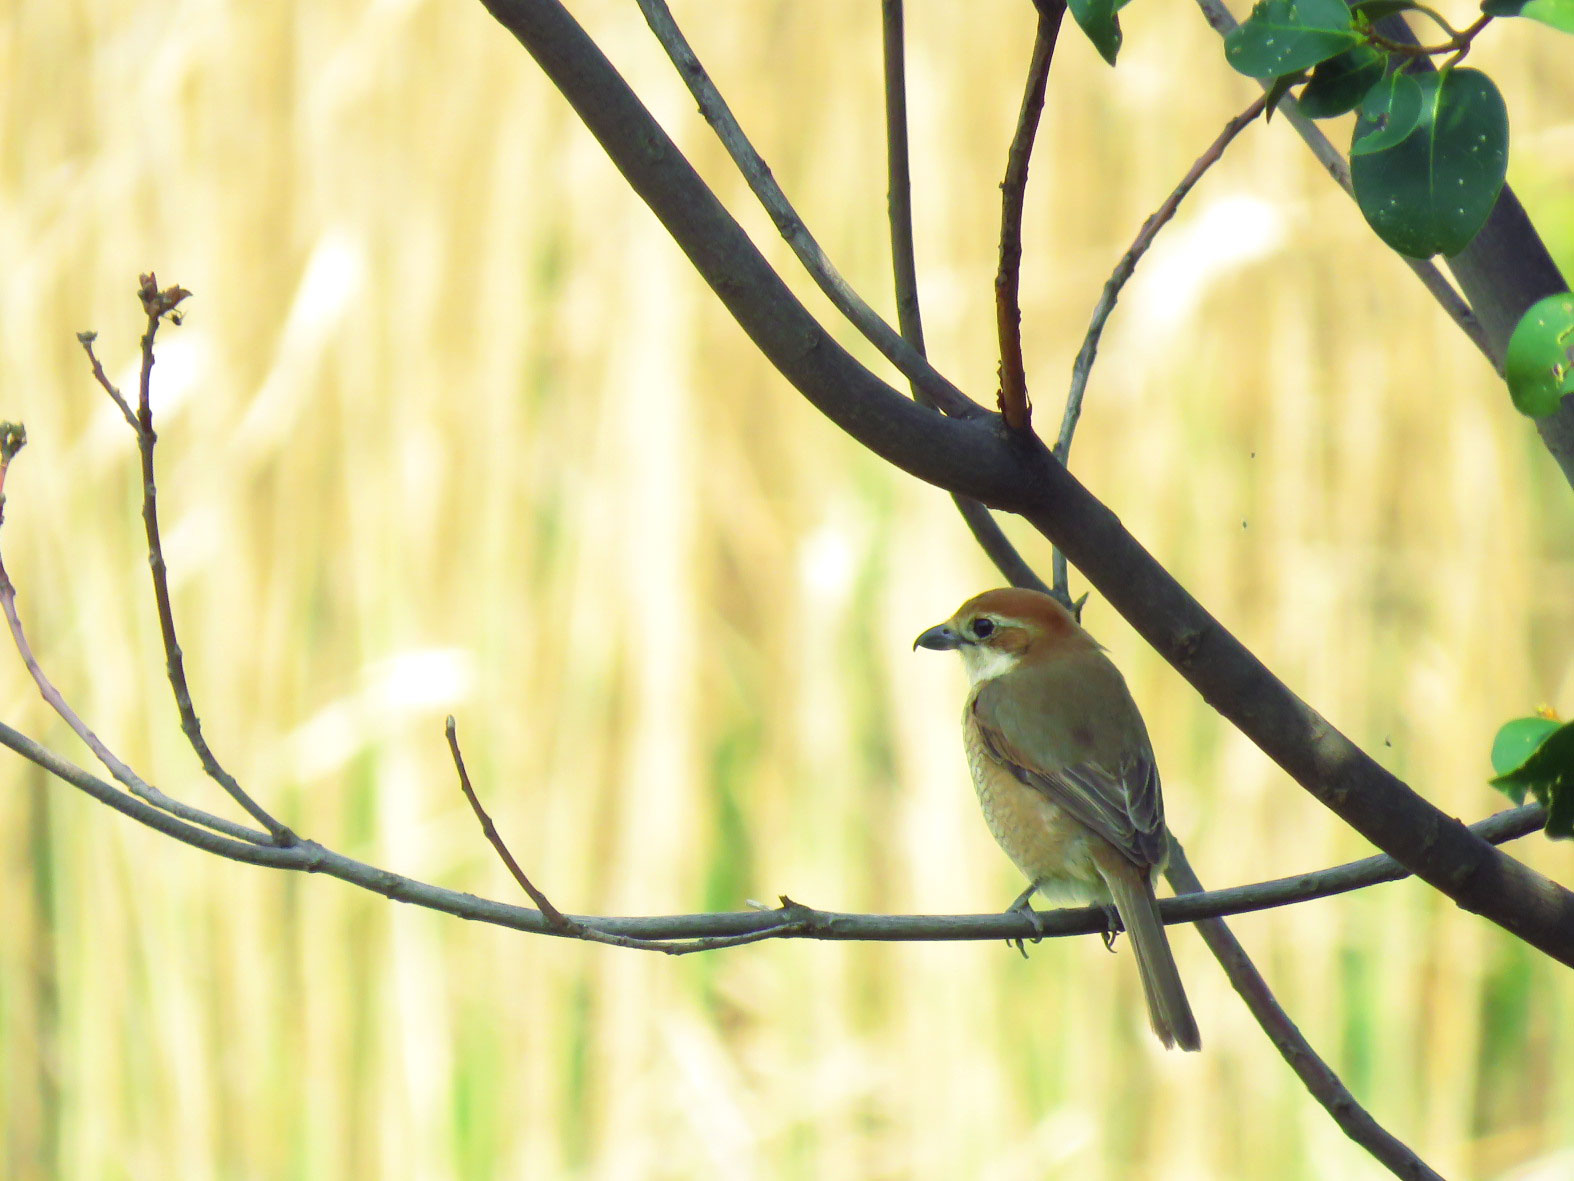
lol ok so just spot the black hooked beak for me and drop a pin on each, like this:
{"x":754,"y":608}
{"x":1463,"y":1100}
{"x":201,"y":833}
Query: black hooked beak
{"x":942,"y":638}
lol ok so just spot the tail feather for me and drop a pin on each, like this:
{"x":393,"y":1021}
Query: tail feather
{"x":1168,"y":1011}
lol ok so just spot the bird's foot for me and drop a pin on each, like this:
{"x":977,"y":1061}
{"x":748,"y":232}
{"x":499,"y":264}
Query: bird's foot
{"x":1023,"y":906}
{"x":1112,"y":926}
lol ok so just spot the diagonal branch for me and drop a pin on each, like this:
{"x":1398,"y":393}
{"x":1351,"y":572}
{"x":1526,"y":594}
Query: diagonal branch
{"x":1318,"y":1077}
{"x":908,"y":360}
{"x":559,"y":923}
{"x":978,"y":457}
{"x":986,"y":530}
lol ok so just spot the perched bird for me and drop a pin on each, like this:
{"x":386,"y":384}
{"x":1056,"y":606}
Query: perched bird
{"x":1065,"y":774}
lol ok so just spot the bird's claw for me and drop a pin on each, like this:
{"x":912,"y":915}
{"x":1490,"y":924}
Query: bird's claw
{"x":1023,"y":907}
{"x":1112,"y":927}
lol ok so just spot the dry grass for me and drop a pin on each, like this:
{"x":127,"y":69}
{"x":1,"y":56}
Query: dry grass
{"x":451,"y":427}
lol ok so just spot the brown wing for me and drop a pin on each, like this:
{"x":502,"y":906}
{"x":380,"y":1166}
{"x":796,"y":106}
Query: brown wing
{"x":1090,"y":754}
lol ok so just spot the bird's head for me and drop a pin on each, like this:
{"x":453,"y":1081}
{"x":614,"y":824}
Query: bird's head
{"x":1001,"y":629}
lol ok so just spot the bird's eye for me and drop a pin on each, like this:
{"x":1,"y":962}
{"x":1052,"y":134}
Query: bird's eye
{"x":983,"y":628}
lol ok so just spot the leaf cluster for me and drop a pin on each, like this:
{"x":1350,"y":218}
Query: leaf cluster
{"x":1429,"y":148}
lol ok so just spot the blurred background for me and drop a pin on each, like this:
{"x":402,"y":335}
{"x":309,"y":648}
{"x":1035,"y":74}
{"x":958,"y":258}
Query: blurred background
{"x":452,"y":427}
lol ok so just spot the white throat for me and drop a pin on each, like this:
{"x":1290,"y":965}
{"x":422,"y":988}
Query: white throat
{"x":985,"y":663}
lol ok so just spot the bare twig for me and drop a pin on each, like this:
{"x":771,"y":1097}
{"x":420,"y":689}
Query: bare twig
{"x":86,"y":339}
{"x":1015,"y":406}
{"x":158,"y":304}
{"x":1082,"y":367}
{"x":554,"y":916}
{"x":12,"y":438}
{"x":908,"y":361}
{"x":986,"y":530}
{"x":1317,"y":1076}
{"x":899,"y":180}
{"x":560,"y":924}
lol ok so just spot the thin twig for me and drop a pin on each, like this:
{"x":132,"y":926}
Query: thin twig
{"x":1015,"y":406}
{"x":86,"y":339}
{"x":1082,"y":367}
{"x":554,"y":916}
{"x":908,"y":361}
{"x":986,"y":530}
{"x":560,"y":924}
{"x":158,"y":304}
{"x":12,"y":439}
{"x":1332,"y":159}
{"x":1317,"y":1076}
{"x":899,"y":180}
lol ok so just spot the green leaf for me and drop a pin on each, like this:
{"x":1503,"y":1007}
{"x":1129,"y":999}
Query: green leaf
{"x":1516,"y":741}
{"x":1430,"y":193}
{"x":1098,"y":20}
{"x":1546,"y":772}
{"x":1389,"y":113}
{"x":1340,"y":83}
{"x":1540,"y":362}
{"x":1276,"y":92}
{"x":1285,"y":36}
{"x":1557,"y":13}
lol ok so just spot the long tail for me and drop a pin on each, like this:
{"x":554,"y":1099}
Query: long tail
{"x":1168,"y":1011}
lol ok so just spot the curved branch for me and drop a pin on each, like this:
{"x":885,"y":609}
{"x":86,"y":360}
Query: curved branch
{"x":977,"y":457}
{"x":791,"y":920}
{"x":1082,"y":367}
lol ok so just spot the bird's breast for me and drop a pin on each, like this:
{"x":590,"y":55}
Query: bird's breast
{"x":1050,"y":847}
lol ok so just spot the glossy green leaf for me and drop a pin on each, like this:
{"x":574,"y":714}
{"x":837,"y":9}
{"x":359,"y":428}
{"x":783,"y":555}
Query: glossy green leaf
{"x":1516,"y":741}
{"x":1098,"y":20}
{"x":1547,"y":772}
{"x":1340,"y":83}
{"x":1389,"y":113}
{"x":1539,"y":366}
{"x":1557,"y":13}
{"x":1431,"y":192}
{"x":1284,"y":36}
{"x":1276,"y":93}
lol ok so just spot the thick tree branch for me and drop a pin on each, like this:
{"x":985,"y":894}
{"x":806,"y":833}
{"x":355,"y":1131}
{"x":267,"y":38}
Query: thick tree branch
{"x":977,"y":457}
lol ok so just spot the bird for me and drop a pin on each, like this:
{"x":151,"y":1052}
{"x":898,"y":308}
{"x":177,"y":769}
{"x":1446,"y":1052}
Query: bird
{"x":1065,"y":775}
